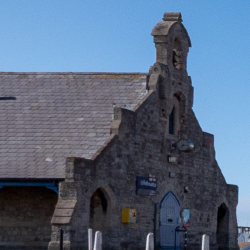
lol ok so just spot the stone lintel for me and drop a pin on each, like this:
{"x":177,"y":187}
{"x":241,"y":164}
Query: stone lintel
{"x":63,"y":204}
{"x":69,"y":175}
{"x":160,"y":39}
{"x":60,"y":220}
{"x":63,"y":212}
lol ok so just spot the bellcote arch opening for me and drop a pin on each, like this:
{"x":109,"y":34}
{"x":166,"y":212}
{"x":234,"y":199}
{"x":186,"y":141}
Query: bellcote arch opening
{"x":177,"y":54}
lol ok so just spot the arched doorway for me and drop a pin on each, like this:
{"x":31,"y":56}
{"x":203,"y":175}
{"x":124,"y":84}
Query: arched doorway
{"x":99,"y":207}
{"x":222,"y":233}
{"x":169,"y":220}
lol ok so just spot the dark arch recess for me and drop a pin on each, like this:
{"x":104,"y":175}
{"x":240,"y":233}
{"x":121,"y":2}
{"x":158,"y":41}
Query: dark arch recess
{"x":222,"y":233}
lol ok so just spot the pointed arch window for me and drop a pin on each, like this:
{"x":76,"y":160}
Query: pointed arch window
{"x":171,"y":122}
{"x":99,"y":215}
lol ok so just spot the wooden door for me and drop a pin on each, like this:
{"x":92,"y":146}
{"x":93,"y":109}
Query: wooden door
{"x":169,"y":220}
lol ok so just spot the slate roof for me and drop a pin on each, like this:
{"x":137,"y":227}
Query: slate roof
{"x":58,"y":115}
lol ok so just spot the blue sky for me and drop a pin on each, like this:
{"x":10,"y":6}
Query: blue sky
{"x":114,"y":36}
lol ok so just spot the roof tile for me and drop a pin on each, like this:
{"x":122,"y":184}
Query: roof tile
{"x":56,"y":115}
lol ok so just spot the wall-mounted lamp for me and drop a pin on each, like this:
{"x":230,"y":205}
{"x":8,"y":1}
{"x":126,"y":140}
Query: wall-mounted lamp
{"x":185,"y":189}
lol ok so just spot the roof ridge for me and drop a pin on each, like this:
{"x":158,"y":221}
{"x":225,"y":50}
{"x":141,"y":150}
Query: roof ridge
{"x":75,"y":73}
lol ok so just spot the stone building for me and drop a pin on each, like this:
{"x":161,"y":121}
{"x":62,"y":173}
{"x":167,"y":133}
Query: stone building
{"x":120,"y":153}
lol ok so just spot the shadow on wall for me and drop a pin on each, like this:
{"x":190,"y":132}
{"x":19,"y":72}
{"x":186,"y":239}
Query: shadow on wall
{"x":99,"y":210}
{"x":222,"y":234}
{"x":25,"y":217}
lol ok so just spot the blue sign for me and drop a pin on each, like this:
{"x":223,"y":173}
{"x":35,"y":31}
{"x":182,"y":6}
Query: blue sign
{"x":145,"y":186}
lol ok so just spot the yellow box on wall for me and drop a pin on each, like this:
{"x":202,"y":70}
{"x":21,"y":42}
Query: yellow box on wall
{"x":128,"y":215}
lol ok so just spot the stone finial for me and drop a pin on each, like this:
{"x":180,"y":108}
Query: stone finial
{"x":172,"y":16}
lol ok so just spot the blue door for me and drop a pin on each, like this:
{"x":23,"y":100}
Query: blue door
{"x":169,"y":220}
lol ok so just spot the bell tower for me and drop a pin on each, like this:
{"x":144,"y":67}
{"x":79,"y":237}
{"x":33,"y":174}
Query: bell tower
{"x":171,"y":41}
{"x":168,"y":76}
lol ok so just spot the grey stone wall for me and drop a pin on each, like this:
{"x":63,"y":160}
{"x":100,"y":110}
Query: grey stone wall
{"x":25,"y":217}
{"x":142,"y":147}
